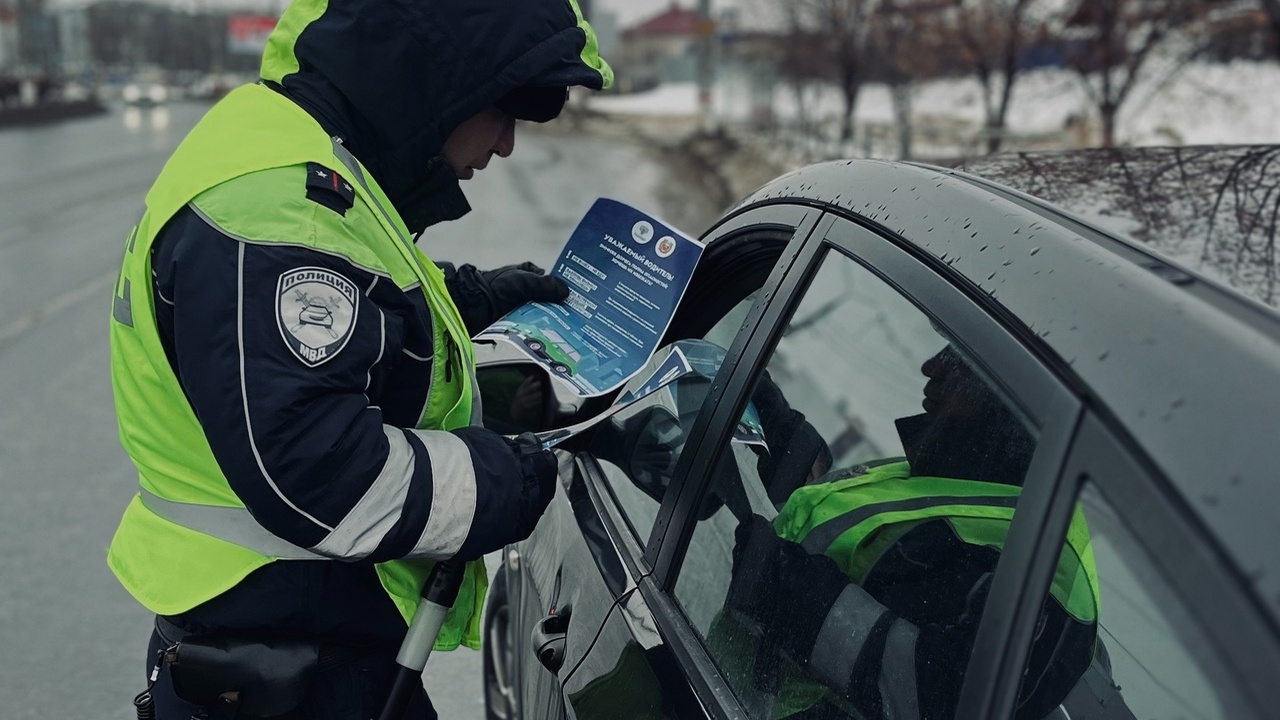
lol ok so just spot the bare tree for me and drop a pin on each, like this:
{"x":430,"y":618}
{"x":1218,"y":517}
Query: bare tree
{"x":1109,"y":44}
{"x":894,"y":54}
{"x":836,"y":34}
{"x":1249,"y":197}
{"x":1272,"y":10}
{"x":991,"y":36}
{"x":802,"y":63}
{"x":910,"y":44}
{"x":1242,"y":29}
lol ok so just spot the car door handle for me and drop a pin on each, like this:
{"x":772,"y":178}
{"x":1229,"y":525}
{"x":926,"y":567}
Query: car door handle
{"x":548,"y":638}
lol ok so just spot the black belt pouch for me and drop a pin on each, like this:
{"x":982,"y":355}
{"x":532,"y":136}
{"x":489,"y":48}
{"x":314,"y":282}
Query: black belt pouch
{"x":262,"y":679}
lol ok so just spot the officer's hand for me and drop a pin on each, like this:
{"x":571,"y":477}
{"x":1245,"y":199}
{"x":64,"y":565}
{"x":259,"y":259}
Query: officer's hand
{"x":538,"y":471}
{"x":484,"y":296}
{"x":514,"y":285}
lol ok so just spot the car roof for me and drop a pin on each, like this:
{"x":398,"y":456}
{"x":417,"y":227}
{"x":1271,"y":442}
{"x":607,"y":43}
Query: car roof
{"x":1188,"y":369}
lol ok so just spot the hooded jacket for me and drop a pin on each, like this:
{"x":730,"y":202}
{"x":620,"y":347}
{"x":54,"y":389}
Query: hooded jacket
{"x":309,"y":443}
{"x":394,"y":78}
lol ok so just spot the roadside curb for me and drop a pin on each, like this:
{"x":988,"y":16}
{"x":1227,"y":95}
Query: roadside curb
{"x":49,"y":113}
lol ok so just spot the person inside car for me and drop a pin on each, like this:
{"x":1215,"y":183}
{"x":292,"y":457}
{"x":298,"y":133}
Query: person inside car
{"x":863,"y":596}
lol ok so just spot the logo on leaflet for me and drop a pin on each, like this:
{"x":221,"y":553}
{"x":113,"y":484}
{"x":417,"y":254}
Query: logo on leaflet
{"x":642,"y":232}
{"x":665,"y":246}
{"x":315,"y":311}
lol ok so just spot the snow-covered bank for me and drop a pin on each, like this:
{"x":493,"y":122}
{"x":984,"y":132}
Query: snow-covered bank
{"x":1204,"y":103}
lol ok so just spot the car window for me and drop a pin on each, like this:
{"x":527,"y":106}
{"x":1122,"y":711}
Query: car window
{"x":841,"y":559}
{"x":1152,"y":658}
{"x":639,"y":446}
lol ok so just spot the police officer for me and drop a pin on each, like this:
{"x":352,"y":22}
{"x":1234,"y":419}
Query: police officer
{"x":294,"y":378}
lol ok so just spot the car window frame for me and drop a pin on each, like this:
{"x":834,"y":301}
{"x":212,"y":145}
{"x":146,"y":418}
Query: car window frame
{"x":589,"y":486}
{"x":1017,"y":369}
{"x":1205,"y":582}
{"x":630,"y":546}
{"x":811,"y":222}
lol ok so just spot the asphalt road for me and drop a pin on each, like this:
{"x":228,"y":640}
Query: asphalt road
{"x":71,"y":640}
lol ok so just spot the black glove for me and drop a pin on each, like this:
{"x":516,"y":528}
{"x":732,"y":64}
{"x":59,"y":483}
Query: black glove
{"x":797,"y":454}
{"x":755,"y":573}
{"x":484,"y":296}
{"x":538,"y":471}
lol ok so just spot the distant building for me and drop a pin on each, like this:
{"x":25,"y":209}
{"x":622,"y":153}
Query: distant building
{"x":8,"y":38}
{"x":74,"y":52}
{"x":747,"y":67}
{"x":1224,"y":30}
{"x":1240,"y":31}
{"x":605,"y":23}
{"x":662,"y":49}
{"x":37,"y":36}
{"x":132,"y":35}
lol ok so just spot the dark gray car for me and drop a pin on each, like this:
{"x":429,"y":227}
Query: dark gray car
{"x":1075,"y":443}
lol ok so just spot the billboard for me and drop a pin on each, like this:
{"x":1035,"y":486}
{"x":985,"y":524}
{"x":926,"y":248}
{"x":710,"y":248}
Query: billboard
{"x":247,"y":34}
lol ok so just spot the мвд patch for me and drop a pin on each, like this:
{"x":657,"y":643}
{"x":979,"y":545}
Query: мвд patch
{"x":316,"y":312}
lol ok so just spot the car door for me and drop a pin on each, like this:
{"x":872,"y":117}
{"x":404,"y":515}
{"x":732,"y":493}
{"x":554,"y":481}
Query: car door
{"x":584,"y":559}
{"x":831,"y":359}
{"x":1178,"y":635}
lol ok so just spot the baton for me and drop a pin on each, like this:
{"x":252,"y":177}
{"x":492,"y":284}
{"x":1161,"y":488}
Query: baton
{"x":438,"y":595}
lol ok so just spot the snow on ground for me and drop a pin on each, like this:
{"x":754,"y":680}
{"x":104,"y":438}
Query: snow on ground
{"x":1232,"y":103}
{"x":1236,"y":102}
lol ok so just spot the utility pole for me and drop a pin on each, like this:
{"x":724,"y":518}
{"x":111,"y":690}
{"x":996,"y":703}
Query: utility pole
{"x":706,"y":76}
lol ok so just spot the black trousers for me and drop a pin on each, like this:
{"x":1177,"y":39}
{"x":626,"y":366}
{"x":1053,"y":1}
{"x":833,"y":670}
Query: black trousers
{"x":336,"y":603}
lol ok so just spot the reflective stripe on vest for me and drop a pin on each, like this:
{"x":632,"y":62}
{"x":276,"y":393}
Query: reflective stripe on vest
{"x":821,"y":537}
{"x":232,"y":524}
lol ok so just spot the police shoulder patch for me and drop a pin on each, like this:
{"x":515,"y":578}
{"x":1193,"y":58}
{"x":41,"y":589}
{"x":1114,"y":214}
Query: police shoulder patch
{"x":316,"y":312}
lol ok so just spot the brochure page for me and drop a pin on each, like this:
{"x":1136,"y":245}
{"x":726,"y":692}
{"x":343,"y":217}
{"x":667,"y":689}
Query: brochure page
{"x":697,"y":360}
{"x":627,"y":272}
